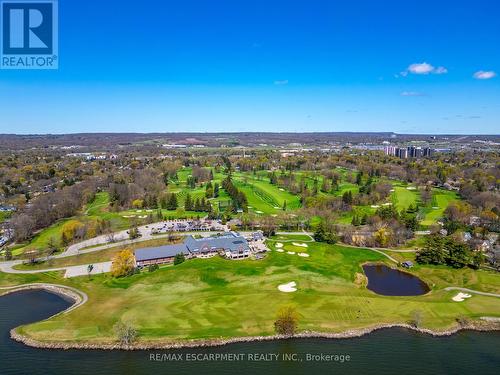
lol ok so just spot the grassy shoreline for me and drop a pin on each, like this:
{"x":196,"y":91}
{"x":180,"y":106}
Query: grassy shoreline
{"x":210,"y":299}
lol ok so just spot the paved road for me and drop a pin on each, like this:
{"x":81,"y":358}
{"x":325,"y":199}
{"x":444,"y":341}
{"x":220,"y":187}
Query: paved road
{"x":103,"y":242}
{"x":82,"y":270}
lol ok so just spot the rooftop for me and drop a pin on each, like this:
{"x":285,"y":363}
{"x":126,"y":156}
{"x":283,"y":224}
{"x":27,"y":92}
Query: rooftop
{"x":230,"y":242}
{"x":160,"y":252}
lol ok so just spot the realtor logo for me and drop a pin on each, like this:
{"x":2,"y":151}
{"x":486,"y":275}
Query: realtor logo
{"x":28,"y":34}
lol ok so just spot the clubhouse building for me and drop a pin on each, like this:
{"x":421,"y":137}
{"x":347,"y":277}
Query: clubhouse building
{"x":231,"y":245}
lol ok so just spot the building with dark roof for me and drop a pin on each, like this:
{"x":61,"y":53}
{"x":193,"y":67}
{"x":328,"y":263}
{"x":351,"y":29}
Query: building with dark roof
{"x":231,"y":245}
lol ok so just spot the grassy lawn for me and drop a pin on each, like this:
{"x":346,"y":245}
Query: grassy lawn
{"x":291,"y":237}
{"x":402,"y":198}
{"x":97,"y":206}
{"x":41,"y":239}
{"x":263,"y":196}
{"x":4,"y":215}
{"x":209,"y":298}
{"x":440,"y":201}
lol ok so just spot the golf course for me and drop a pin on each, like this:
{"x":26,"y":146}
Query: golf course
{"x":263,"y":197}
{"x":214,"y":298}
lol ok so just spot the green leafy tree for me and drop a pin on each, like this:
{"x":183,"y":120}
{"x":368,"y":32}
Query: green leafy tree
{"x":188,"y":203}
{"x":179,"y":258}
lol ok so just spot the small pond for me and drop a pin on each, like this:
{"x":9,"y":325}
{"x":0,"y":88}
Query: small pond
{"x":390,"y":282}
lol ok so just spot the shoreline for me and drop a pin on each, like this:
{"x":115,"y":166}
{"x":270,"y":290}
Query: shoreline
{"x":79,"y":298}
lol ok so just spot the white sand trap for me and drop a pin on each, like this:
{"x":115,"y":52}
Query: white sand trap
{"x":138,"y":211}
{"x":288,"y":288}
{"x":278,"y":245}
{"x":280,"y":250}
{"x":392,"y":190}
{"x":143,"y":216}
{"x":290,"y":252}
{"x":274,"y":215}
{"x":299,"y":244}
{"x":374,"y":206}
{"x":387,"y":204}
{"x":461,"y":297}
{"x":149,"y":210}
{"x":305,"y":255}
{"x":259,"y":212}
{"x":127,"y":216}
{"x":435,"y":208}
{"x":411,"y":188}
{"x":281,"y":189}
{"x":278,"y":208}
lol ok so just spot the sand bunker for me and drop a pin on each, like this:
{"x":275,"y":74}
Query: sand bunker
{"x":411,"y":188}
{"x":280,"y":250}
{"x":278,"y":208}
{"x":281,"y":189}
{"x":259,"y":212}
{"x":305,"y":255}
{"x":142,"y":216}
{"x":127,"y":216}
{"x":278,"y":245}
{"x":288,"y":288}
{"x":461,"y":297}
{"x":290,"y":252}
{"x":299,"y":244}
{"x":387,"y":204}
{"x":375,"y":206}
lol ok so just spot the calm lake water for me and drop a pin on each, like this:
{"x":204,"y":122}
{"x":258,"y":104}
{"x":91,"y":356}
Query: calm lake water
{"x":394,"y":351}
{"x":390,"y":282}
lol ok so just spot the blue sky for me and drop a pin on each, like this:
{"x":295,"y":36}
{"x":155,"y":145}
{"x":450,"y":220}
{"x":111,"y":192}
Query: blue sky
{"x":206,"y":66}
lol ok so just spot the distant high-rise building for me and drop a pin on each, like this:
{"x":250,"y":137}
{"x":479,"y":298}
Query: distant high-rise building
{"x":408,"y":152}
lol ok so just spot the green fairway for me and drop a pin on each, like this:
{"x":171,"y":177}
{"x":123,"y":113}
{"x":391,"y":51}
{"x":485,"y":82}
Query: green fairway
{"x":269,"y":194}
{"x":41,"y":240}
{"x":98,"y":205}
{"x":212,"y":298}
{"x":402,"y":197}
{"x":440,"y":201}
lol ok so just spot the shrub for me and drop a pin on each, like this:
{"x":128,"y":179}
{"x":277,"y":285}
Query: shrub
{"x":286,"y":321}
{"x":153,"y":267}
{"x":179,"y":258}
{"x":125,"y":333}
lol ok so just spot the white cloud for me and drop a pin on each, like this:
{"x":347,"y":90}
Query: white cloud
{"x":424,"y":68}
{"x":440,"y":70}
{"x":484,"y":74}
{"x":412,"y":93}
{"x":281,"y":82}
